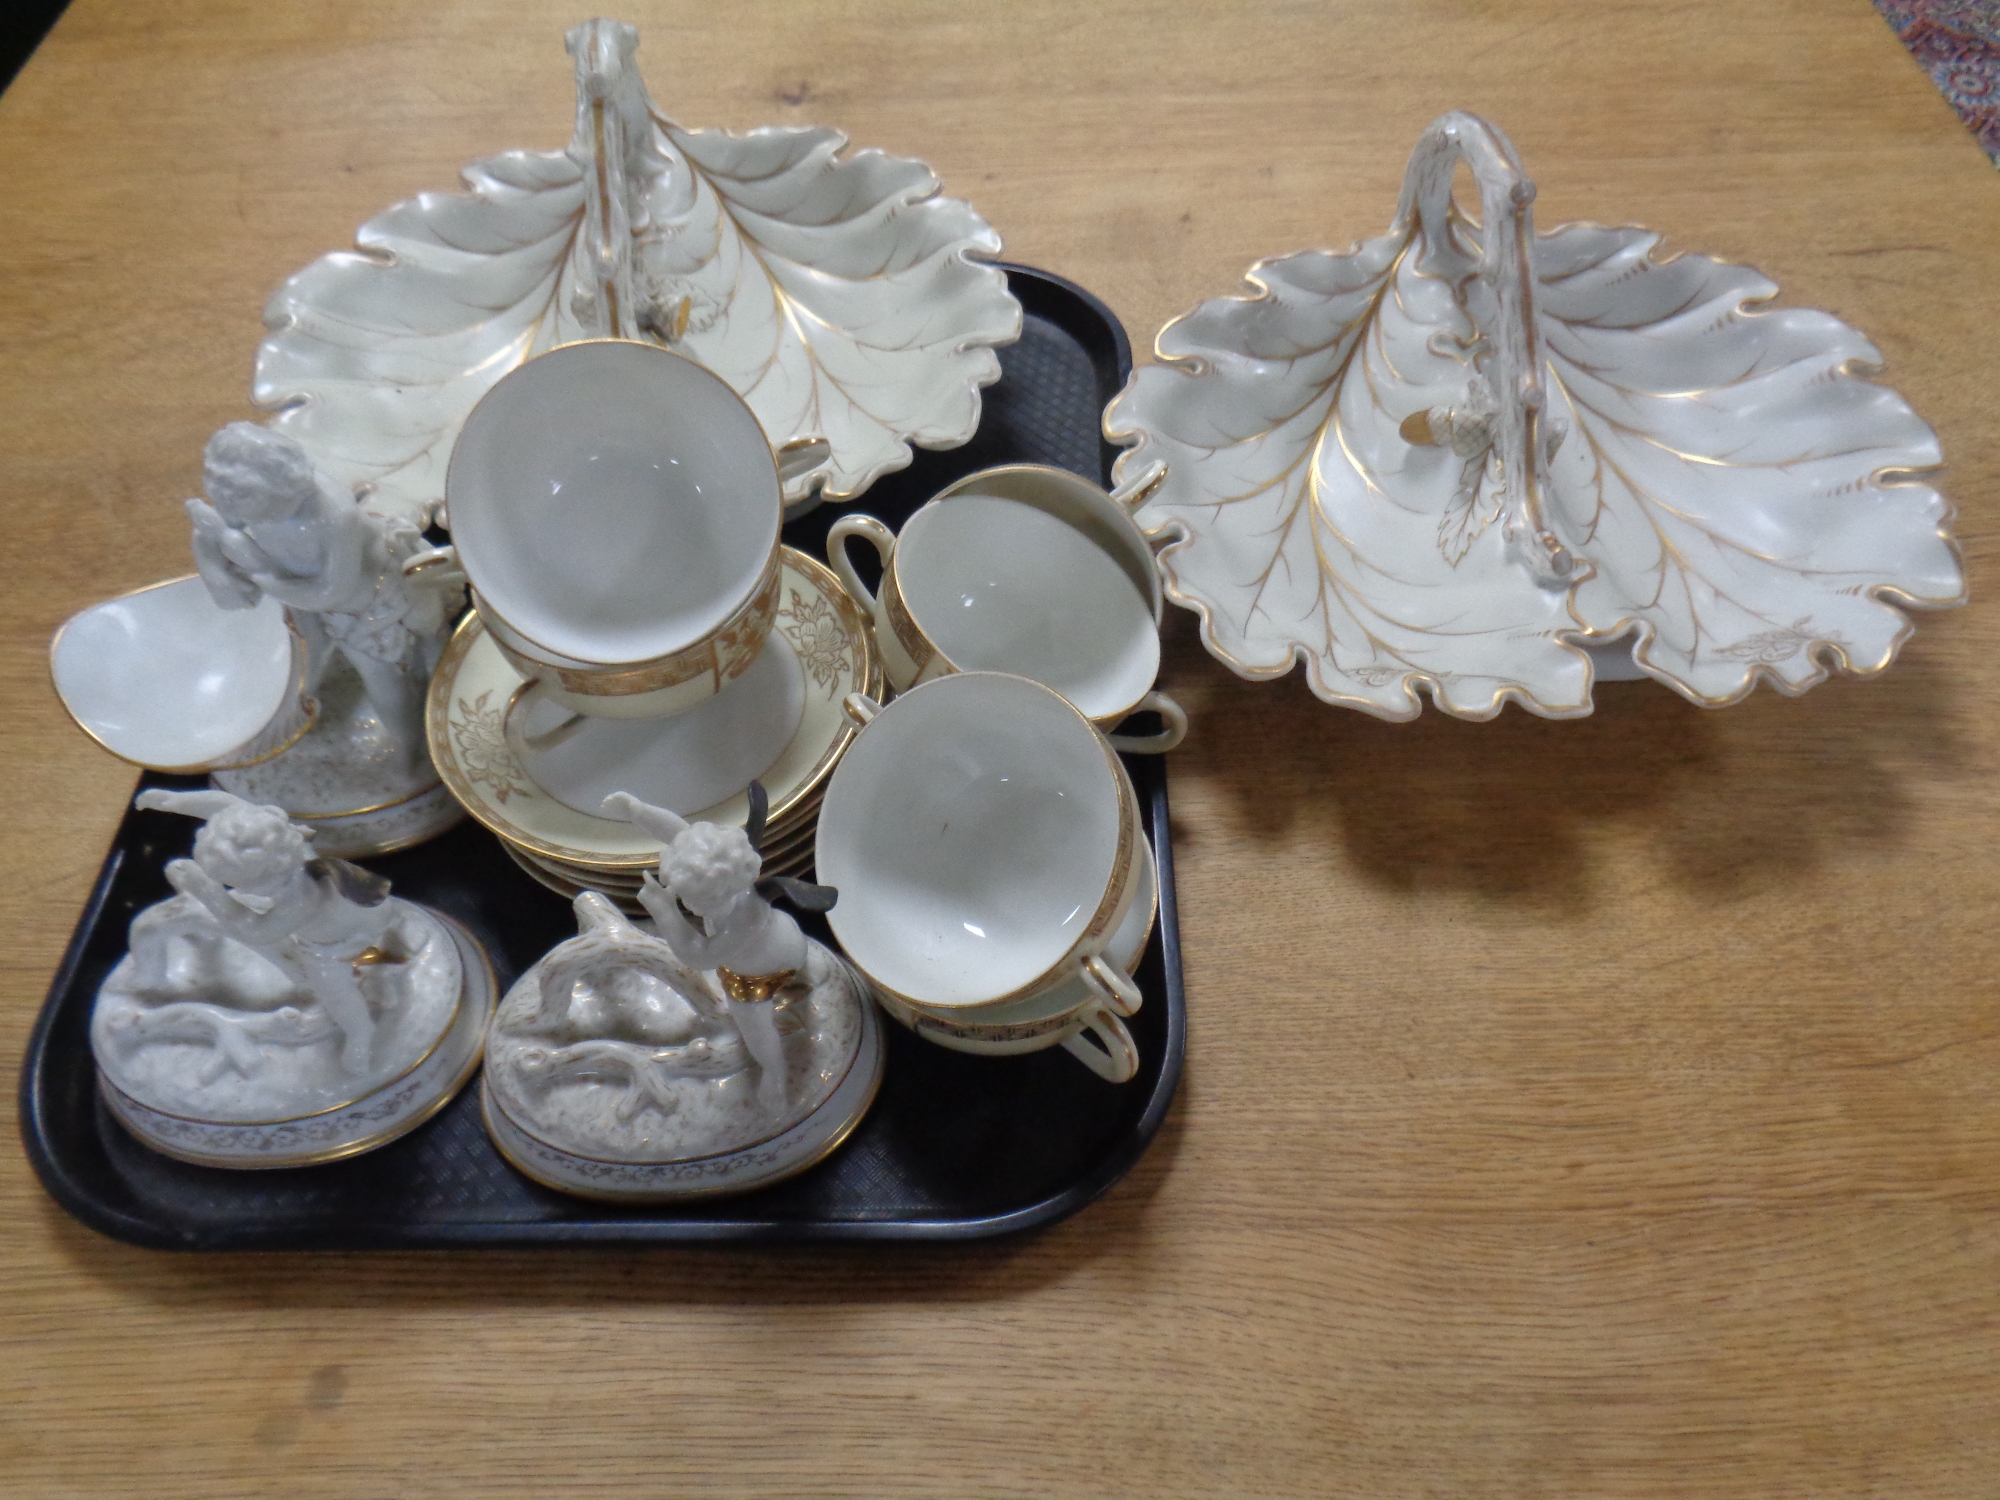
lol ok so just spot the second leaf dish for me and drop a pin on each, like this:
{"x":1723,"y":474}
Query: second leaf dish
{"x":1480,"y":461}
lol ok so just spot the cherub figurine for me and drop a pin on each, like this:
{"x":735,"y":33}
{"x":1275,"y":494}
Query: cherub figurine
{"x":712,"y":873}
{"x":261,"y":934}
{"x":645,"y":1066}
{"x":274,"y":525}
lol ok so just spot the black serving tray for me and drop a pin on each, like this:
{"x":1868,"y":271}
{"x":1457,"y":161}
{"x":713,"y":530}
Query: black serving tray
{"x":955,"y":1148}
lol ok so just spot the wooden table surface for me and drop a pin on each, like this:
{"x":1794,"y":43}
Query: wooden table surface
{"x":1607,"y":1108}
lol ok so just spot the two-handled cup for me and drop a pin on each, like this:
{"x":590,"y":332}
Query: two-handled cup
{"x":1024,"y":569}
{"x":988,"y":850}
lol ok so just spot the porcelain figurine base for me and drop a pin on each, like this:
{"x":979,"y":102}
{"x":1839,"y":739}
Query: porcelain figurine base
{"x":599,"y":1132}
{"x":166,"y":1102}
{"x":345,"y":781}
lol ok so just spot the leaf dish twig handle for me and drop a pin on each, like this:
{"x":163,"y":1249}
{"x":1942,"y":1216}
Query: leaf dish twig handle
{"x":1512,"y":358}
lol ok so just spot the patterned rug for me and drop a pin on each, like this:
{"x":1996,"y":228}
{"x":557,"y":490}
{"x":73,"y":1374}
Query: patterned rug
{"x":1958,"y":43}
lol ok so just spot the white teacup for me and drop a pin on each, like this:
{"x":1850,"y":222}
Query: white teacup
{"x":615,"y":507}
{"x":167,"y":678}
{"x":1068,"y":1014}
{"x":984,"y":840}
{"x":1024,"y":569}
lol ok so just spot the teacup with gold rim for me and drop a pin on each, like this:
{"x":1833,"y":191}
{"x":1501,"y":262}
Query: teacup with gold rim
{"x":1025,"y":569}
{"x":544,"y":797}
{"x":985,"y":842}
{"x":615,"y":507}
{"x":1069,"y":1014}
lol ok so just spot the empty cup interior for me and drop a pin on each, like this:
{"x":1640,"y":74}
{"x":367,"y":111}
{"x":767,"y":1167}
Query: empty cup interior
{"x":1001,"y":586}
{"x":1073,"y":499}
{"x":972,"y":830}
{"x":1072,"y":993}
{"x":169,"y":679}
{"x":612,"y":501}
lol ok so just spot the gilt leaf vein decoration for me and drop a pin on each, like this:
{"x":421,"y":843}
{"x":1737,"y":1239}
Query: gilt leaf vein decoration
{"x":1449,"y":457}
{"x":838,"y":291}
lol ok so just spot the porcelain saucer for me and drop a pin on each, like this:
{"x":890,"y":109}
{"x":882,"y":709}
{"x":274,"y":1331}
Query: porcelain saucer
{"x":475,"y":685}
{"x":570,"y":884}
{"x":783,"y":849}
{"x":694,"y":758}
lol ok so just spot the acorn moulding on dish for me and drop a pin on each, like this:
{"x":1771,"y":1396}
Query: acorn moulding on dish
{"x":1479,"y":460}
{"x":839,"y":292}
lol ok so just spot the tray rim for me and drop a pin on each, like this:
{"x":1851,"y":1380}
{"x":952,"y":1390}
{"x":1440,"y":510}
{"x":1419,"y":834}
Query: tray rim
{"x":390,"y":1235}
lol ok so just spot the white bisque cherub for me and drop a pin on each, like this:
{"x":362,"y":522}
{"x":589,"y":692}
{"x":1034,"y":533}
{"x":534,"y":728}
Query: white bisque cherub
{"x":712,"y":875}
{"x":264,"y":945}
{"x":617,"y":1006}
{"x":272,"y":524}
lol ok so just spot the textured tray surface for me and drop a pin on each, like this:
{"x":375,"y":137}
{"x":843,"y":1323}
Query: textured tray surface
{"x":956,"y":1147}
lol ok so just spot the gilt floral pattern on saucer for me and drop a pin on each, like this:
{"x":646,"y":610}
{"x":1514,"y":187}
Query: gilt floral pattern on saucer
{"x":474,"y":684}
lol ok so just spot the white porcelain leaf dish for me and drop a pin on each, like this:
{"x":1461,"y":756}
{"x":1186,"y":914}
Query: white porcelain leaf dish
{"x":1453,"y":458}
{"x":839,"y":292}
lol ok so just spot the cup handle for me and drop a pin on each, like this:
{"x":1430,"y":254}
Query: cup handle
{"x":1114,"y":1057}
{"x":1137,"y":490}
{"x":1113,"y":985}
{"x":801,"y":456}
{"x":1174,"y":718}
{"x":555,"y":734}
{"x":880,"y":537}
{"x":437,"y":565}
{"x":860,"y":709}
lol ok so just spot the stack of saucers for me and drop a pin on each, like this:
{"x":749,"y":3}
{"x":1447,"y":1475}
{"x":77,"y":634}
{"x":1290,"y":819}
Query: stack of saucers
{"x":637,"y":627}
{"x":542,"y":790}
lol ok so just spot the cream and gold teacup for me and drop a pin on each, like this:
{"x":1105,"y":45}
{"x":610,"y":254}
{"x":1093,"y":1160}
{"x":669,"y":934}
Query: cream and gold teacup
{"x":1024,"y":569}
{"x":1069,"y":1015}
{"x":986,"y":845}
{"x":615,"y":508}
{"x":643,"y":690}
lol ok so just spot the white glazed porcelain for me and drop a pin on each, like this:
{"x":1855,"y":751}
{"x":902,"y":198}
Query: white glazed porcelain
{"x":1105,"y":518}
{"x":382,"y":830}
{"x":166,"y":678}
{"x":373,"y":1120}
{"x":1027,"y":570}
{"x":686,"y":680}
{"x":1069,"y":1014}
{"x":356,"y":787}
{"x":838,"y":291}
{"x":694,"y":759}
{"x":613,"y":502}
{"x":786,"y":849}
{"x":711,"y":906}
{"x":569,"y":883}
{"x":1467,"y":458}
{"x":982,"y":836}
{"x":475,"y":688}
{"x":365,"y":596}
